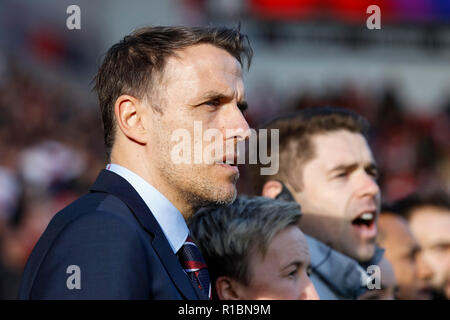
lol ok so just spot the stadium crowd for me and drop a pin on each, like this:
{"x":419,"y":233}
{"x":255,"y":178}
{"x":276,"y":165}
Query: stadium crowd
{"x":51,"y":151}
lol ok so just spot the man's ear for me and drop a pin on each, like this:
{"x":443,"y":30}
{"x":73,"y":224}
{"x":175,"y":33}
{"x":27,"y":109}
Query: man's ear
{"x":272,"y":189}
{"x":228,"y":289}
{"x":129,"y":117}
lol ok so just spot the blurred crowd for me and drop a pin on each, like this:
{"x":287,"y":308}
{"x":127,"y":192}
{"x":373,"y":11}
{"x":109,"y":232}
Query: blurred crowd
{"x":51,"y":151}
{"x":412,"y":149}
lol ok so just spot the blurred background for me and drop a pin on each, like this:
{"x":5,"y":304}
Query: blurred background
{"x":307,"y":53}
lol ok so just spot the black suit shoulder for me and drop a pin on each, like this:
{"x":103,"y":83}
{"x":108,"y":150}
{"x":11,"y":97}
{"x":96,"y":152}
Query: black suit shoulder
{"x":98,"y":236}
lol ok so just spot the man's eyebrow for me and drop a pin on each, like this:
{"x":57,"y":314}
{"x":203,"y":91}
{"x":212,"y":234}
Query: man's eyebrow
{"x":215,"y":95}
{"x":344,"y":167}
{"x":440,"y":244}
{"x":210,"y":95}
{"x":295,"y":263}
{"x":298,"y":263}
{"x":352,"y":166}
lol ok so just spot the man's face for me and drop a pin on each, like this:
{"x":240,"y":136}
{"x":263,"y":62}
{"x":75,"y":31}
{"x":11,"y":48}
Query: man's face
{"x":402,"y":250}
{"x":204,"y":84}
{"x":281,"y":273}
{"x":431,"y":227}
{"x":340,"y":197}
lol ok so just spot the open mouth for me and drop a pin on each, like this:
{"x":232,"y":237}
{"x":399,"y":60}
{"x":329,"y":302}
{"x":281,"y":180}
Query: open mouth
{"x":364,"y":225}
{"x":364,"y":219}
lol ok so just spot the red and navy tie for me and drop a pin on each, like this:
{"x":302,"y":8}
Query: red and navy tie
{"x":195,"y":267}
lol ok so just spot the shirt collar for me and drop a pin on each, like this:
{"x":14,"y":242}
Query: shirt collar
{"x":169,"y":218}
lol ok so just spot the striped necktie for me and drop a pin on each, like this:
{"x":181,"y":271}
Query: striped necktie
{"x":195,"y":267}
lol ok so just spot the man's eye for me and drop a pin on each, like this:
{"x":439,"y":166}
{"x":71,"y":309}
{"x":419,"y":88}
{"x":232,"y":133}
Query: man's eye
{"x":341,"y":175}
{"x":293,"y":274}
{"x":309,"y":271}
{"x":374,"y":174}
{"x":214,"y":102}
{"x":243,"y":106}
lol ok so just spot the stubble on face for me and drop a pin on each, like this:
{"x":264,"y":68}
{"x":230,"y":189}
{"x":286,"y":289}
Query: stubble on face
{"x":194,"y":71}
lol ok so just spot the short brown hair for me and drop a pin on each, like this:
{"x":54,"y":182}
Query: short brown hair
{"x":434,"y":198}
{"x":295,"y":147}
{"x":228,"y":236}
{"x":130,"y":66}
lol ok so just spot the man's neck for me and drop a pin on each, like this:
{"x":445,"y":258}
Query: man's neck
{"x":151,"y":176}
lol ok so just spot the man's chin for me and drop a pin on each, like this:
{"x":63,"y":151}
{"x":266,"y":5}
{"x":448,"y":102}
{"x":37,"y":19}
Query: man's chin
{"x":226,"y":197}
{"x":367,"y":255}
{"x":364,"y":253}
{"x":217,"y":197}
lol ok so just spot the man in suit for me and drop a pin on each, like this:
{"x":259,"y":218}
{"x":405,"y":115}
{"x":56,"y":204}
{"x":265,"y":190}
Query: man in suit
{"x":127,"y":238}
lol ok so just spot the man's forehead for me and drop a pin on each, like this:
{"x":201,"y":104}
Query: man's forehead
{"x":204,"y":58}
{"x":397,"y":229}
{"x":341,"y":147}
{"x":297,"y":244}
{"x":431,"y":212}
{"x":431,"y":225}
{"x":206,"y":70}
{"x":305,"y":249}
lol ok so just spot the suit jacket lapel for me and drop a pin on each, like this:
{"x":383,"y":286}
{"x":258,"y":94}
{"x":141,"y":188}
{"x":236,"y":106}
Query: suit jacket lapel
{"x":114,"y":184}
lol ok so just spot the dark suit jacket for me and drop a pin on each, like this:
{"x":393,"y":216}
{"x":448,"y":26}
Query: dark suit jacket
{"x":116,"y":242}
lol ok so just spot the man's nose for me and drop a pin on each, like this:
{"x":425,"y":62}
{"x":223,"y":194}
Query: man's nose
{"x":236,"y":126}
{"x":368,"y":186}
{"x":424,"y":271}
{"x":309,"y":293}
